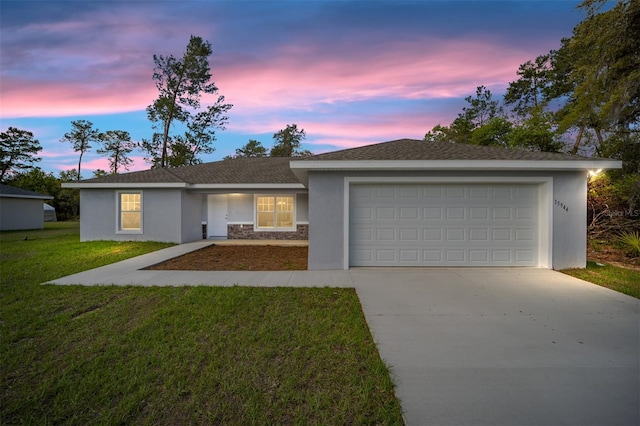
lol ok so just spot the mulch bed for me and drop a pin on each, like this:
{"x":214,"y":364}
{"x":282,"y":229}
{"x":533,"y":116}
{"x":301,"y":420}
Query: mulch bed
{"x":239,"y":258}
{"x":278,"y":258}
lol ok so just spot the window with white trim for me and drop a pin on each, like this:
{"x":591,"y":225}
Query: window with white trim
{"x":130,"y":212}
{"x":275,"y":212}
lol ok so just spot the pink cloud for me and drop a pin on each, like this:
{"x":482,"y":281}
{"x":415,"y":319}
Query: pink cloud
{"x":89,"y":166}
{"x":295,"y":77}
{"x":301,"y":77}
{"x":21,"y":98}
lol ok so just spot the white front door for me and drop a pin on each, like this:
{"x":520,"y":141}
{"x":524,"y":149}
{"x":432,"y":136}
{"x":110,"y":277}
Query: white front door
{"x":217,"y":216}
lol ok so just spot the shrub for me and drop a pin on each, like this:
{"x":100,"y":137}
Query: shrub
{"x":630,"y":242}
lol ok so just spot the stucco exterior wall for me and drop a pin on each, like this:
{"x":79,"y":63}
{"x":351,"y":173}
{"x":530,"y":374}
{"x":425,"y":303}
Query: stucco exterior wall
{"x":161,"y":216}
{"x":170,"y":215}
{"x":21,"y":213}
{"x":327,"y":240}
{"x":326,"y":227}
{"x":240,"y":208}
{"x":191,"y":216}
{"x":569,"y":220}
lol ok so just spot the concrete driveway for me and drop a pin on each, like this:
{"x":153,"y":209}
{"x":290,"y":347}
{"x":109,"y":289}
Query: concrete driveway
{"x":505,"y":346}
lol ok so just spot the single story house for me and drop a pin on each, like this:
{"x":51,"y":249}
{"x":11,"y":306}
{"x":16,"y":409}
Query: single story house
{"x":400,"y":203}
{"x":21,"y":209}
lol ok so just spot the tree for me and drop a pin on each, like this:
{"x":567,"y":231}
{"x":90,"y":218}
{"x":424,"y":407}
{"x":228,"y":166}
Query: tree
{"x":17,"y":150}
{"x":529,"y":92}
{"x":287,"y":142}
{"x":181,"y":83}
{"x":36,"y":180}
{"x":494,"y":132}
{"x":116,"y":146}
{"x":439,"y":133}
{"x":200,"y":134}
{"x":481,"y":109}
{"x":536,"y":133}
{"x":606,"y":57}
{"x":152,"y":149}
{"x":81,"y":136}
{"x":597,"y":73}
{"x":253,"y":148}
{"x":68,"y":200}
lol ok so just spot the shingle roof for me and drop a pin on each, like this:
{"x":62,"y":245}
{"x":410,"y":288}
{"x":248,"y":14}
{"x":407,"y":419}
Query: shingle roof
{"x":256,"y":170}
{"x":11,"y":191}
{"x":278,"y":170}
{"x":240,"y":170}
{"x":163,"y":175}
{"x":413,"y":149}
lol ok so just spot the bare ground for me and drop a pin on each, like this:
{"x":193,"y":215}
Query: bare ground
{"x":239,"y":258}
{"x":277,"y":258}
{"x":603,"y":251}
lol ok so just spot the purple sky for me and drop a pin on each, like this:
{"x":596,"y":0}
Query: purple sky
{"x":348,"y":72}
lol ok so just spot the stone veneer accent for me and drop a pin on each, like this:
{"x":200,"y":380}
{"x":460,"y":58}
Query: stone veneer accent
{"x":246,"y":232}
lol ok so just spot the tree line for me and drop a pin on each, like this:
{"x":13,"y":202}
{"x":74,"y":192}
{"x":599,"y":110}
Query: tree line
{"x":583,"y":98}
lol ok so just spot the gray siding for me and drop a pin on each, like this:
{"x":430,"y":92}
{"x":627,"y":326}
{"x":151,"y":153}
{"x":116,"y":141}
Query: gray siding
{"x":21,"y":213}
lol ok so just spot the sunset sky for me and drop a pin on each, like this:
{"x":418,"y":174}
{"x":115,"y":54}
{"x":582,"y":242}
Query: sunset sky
{"x":348,"y":72}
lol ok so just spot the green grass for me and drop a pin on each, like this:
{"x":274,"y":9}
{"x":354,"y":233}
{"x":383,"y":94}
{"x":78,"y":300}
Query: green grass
{"x":623,"y":280}
{"x":183,"y":355}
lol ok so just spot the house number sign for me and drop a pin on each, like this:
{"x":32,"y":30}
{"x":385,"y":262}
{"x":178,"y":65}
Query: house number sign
{"x":562,"y":205}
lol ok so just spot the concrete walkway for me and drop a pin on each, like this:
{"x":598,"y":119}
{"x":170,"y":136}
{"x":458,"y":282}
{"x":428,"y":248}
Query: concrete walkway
{"x":487,"y":346}
{"x":131,"y":272}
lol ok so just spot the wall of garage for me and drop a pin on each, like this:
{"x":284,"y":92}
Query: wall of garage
{"x":326,"y":225}
{"x":328,"y":242}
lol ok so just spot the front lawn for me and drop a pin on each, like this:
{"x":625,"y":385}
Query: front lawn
{"x":623,"y":280}
{"x":184,"y":355}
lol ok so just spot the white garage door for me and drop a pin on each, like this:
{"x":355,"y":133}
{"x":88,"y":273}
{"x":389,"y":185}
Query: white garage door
{"x":443,"y":225}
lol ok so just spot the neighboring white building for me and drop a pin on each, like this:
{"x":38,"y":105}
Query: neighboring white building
{"x":49,"y":213}
{"x":399,"y":203}
{"x":21,"y":209}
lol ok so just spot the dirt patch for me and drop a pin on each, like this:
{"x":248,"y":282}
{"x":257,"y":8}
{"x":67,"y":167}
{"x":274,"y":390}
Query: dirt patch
{"x":239,"y":258}
{"x":278,"y":258}
{"x":603,"y":251}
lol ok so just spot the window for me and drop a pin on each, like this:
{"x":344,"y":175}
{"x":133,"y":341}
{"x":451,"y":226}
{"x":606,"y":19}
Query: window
{"x":274,"y":212}
{"x":130,"y":212}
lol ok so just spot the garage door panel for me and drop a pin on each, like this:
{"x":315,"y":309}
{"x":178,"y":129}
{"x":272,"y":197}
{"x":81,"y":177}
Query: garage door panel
{"x":443,"y":225}
{"x":362,"y":213}
{"x":409,"y":234}
{"x":385,"y":213}
{"x":409,"y":213}
{"x":432,"y":213}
